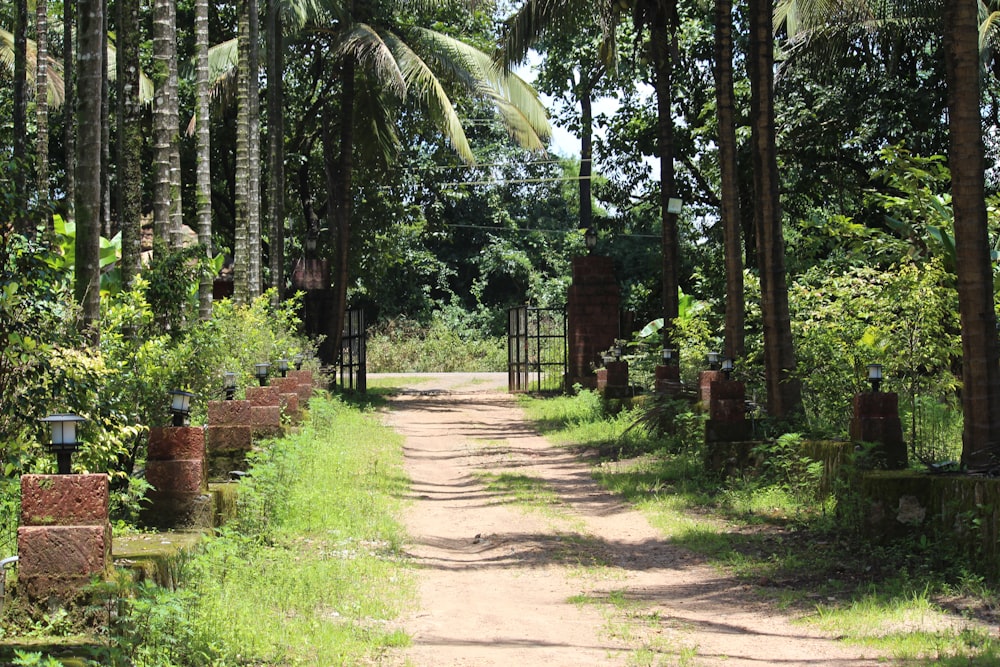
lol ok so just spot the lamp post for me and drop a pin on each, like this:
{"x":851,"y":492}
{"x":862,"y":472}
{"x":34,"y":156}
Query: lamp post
{"x":875,"y":376}
{"x":229,"y":384}
{"x":63,"y":439}
{"x":180,"y":406}
{"x":283,"y":367}
{"x":670,"y":356}
{"x":728,"y":366}
{"x":590,"y":239}
{"x":260,"y":371}
{"x":298,"y":359}
{"x":713,"y":359}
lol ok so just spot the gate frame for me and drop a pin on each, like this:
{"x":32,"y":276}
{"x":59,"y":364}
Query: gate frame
{"x":525,"y":359}
{"x":352,"y":366}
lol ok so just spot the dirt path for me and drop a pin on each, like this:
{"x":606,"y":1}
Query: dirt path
{"x":583,"y":580}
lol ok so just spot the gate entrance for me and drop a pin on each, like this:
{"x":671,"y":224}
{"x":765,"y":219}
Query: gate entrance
{"x":352,"y":371}
{"x":536,"y":349}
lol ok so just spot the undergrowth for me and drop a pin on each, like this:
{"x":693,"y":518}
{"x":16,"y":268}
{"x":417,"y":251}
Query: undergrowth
{"x":912,"y":599}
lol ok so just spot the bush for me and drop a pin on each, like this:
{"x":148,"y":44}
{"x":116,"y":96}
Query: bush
{"x":403,"y":346}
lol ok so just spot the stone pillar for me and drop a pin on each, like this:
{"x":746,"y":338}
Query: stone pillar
{"x":265,"y":411}
{"x":705,"y":381}
{"x":289,"y":398}
{"x":876,"y":420}
{"x":304,"y":387}
{"x":175,"y":467}
{"x":65,"y":538}
{"x":668,"y":379}
{"x":228,"y":437}
{"x":727,"y":418}
{"x":612,"y":380}
{"x":593,"y":306}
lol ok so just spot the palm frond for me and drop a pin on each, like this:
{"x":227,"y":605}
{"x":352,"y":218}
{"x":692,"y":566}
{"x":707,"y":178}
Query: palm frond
{"x":370,"y":49}
{"x":376,"y":127}
{"x":535,"y":17}
{"x":56,"y":86}
{"x":426,"y":88}
{"x":482,"y":75}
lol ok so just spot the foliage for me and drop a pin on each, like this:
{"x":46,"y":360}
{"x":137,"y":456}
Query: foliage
{"x":405,"y":346}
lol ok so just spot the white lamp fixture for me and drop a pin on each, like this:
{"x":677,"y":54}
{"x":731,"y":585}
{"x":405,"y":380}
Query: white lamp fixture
{"x":674,"y":206}
{"x":180,"y":406}
{"x":713,"y":359}
{"x":875,"y":376}
{"x":260,"y":372}
{"x":63,"y":440}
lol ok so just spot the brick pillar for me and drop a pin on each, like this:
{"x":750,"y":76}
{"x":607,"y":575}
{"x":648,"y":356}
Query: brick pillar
{"x":592,"y":315}
{"x":612,"y":380}
{"x":175,"y":467}
{"x":876,"y":420}
{"x":265,"y":411}
{"x":705,"y":381}
{"x":65,"y":538}
{"x":228,"y":437}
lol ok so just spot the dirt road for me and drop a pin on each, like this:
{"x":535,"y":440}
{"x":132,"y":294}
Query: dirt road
{"x":578,"y":578}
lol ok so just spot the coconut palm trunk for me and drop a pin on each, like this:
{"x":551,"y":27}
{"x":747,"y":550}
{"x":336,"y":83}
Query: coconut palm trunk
{"x":164,"y":129}
{"x":130,"y":141}
{"x":241,"y":250}
{"x":203,"y":157}
{"x":69,"y":109}
{"x":42,"y":104}
{"x":276,"y":148}
{"x":254,"y":242}
{"x":980,"y":353}
{"x":730,"y":196}
{"x":20,"y":111}
{"x":88,"y":166}
{"x":342,"y":204}
{"x":784,"y":394}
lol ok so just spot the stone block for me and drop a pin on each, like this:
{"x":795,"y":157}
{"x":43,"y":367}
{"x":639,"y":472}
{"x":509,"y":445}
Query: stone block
{"x":265,"y":415}
{"x":728,"y":390}
{"x":260,"y":396}
{"x":178,"y":476}
{"x":76,"y":551}
{"x":64,"y":500}
{"x":305,"y":391}
{"x":727,"y":409}
{"x":285,"y":385}
{"x":290,"y":407}
{"x":705,"y":380}
{"x":668,"y":373}
{"x":228,"y":438}
{"x":176,"y":442}
{"x":303,"y":376}
{"x":267,"y":431}
{"x":876,"y":405}
{"x":172,"y":510}
{"x":228,"y":412}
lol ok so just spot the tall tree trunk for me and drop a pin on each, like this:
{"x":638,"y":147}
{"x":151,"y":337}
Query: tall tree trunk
{"x":164,"y":131}
{"x":254,"y":277}
{"x":586,"y":155}
{"x":241,"y":250}
{"x":980,"y":353}
{"x":203,"y":184}
{"x":88,"y":164}
{"x":23,"y":220}
{"x":662,"y":29}
{"x":129,"y":179}
{"x":276,"y":147}
{"x":730,"y":195}
{"x":341,"y":206}
{"x":784,"y":393}
{"x":105,"y":135}
{"x":69,"y":107}
{"x":42,"y":105}
{"x":174,"y":123}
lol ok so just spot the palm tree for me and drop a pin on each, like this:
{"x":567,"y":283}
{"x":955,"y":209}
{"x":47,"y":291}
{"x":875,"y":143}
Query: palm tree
{"x":165,"y":117}
{"x":980,"y":348}
{"x":88,"y":166}
{"x":130,"y":140}
{"x":42,"y":102}
{"x":382,"y":62}
{"x":22,"y":222}
{"x":730,"y":204}
{"x":242,"y":292}
{"x":276,"y":146}
{"x":203,"y":182}
{"x":784,"y":393}
{"x":69,"y":108}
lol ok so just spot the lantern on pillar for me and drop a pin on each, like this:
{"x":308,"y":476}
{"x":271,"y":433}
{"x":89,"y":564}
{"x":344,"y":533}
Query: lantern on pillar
{"x":63,"y":440}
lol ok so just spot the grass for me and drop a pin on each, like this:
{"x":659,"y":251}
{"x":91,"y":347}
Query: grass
{"x":911,"y":601}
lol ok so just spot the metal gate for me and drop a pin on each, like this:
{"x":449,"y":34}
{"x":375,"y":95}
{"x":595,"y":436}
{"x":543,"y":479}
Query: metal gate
{"x":352,"y":372}
{"x":536,"y":349}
